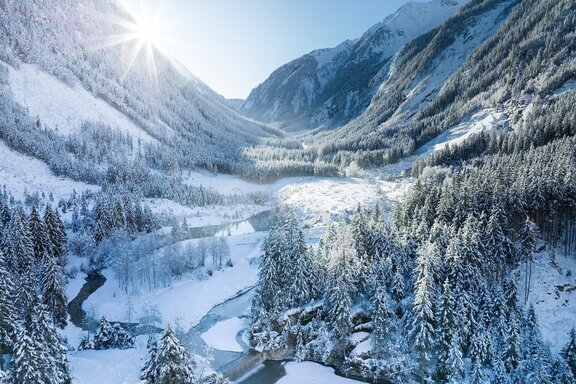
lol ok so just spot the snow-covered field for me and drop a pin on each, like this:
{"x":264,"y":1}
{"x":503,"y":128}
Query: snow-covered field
{"x":21,"y":173}
{"x":311,"y":373}
{"x":316,"y":199}
{"x":487,"y":121}
{"x":113,"y":366}
{"x":204,"y":216}
{"x":188,"y":300}
{"x":553,"y":293}
{"x":64,"y":107}
{"x":223,"y":334}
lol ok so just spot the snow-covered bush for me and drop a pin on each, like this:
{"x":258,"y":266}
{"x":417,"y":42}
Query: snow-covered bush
{"x":108,"y":336}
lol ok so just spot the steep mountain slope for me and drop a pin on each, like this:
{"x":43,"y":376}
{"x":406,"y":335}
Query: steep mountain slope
{"x":504,"y":56}
{"x":83,"y":54}
{"x":330,"y":86}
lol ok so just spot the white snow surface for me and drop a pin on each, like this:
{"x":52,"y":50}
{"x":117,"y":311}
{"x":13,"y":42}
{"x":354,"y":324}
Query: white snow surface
{"x":112,"y":366}
{"x":569,"y":86}
{"x":553,"y":293}
{"x":64,"y":107}
{"x":222,"y":335}
{"x":188,"y":300}
{"x":311,"y":373}
{"x":21,"y":173}
{"x":486,"y":120}
{"x":411,"y":20}
{"x":204,"y":216}
{"x":314,"y":198}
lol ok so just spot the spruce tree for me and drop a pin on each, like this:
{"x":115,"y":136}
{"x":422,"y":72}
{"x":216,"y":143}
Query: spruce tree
{"x":477,"y":376}
{"x":381,"y":322}
{"x":109,"y":336}
{"x":512,"y":352}
{"x":528,"y":239}
{"x":56,"y":234}
{"x":7,"y":309}
{"x":38,"y":234}
{"x":267,"y":298}
{"x":303,"y":287}
{"x":27,"y":359}
{"x":54,"y":358}
{"x":422,"y":332}
{"x":53,"y":295}
{"x":340,"y":286}
{"x":169,"y":363}
{"x":569,"y":352}
{"x":447,"y":330}
{"x":17,"y":244}
{"x":455,"y":362}
{"x":147,"y":373}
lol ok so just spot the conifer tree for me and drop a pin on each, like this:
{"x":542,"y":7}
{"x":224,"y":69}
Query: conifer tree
{"x":500,"y":374}
{"x":56,"y":234}
{"x":54,"y":358}
{"x":118,"y":219}
{"x":569,"y":352}
{"x":340,"y":287}
{"x":267,"y":298}
{"x":512,"y":352}
{"x":169,"y":363}
{"x":455,"y":362}
{"x":477,"y":376}
{"x":7,"y":309}
{"x":27,"y":359}
{"x":111,"y":336}
{"x":398,"y":293}
{"x":17,"y":244}
{"x":528,"y":239}
{"x":38,"y":234}
{"x":53,"y":295}
{"x":447,"y":331}
{"x":381,"y":321}
{"x":147,"y":373}
{"x":422,"y":332}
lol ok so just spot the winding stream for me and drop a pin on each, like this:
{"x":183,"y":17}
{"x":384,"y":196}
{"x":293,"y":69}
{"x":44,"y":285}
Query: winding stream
{"x":236,"y":306}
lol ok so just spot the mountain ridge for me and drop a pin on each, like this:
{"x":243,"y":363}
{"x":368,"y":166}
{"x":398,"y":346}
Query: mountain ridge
{"x":328,"y":87}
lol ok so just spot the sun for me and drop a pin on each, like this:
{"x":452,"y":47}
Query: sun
{"x":142,"y":31}
{"x":149,"y":29}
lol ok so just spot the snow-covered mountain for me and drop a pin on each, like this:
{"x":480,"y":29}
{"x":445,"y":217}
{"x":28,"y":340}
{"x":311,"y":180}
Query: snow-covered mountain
{"x":70,"y":63}
{"x":328,"y":87}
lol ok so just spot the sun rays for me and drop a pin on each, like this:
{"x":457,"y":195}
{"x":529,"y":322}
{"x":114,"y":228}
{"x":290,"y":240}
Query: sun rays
{"x":143,"y":32}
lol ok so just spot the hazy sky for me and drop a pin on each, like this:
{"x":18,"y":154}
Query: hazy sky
{"x":234,"y":45}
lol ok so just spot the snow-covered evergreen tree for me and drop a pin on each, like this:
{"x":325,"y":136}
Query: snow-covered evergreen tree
{"x":381,"y":322}
{"x":422,"y":330}
{"x":569,"y":351}
{"x":147,"y":372}
{"x":53,"y":295}
{"x":446,"y":332}
{"x":17,"y":244}
{"x":267,"y":298}
{"x":169,"y":362}
{"x":340,"y":286}
{"x":56,"y":234}
{"x":7,"y":309}
{"x":109,"y":336}
{"x":27,"y":360}
{"x":38,"y":234}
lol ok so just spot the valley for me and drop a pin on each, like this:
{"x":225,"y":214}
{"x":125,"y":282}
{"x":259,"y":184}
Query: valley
{"x":397,"y":208}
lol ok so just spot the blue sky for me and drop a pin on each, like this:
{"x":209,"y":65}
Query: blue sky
{"x":233,"y":45}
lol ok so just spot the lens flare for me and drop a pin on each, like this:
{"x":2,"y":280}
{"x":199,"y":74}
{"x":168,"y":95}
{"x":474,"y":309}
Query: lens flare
{"x":144,"y":31}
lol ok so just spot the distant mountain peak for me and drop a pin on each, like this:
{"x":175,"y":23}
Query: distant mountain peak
{"x":328,"y":87}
